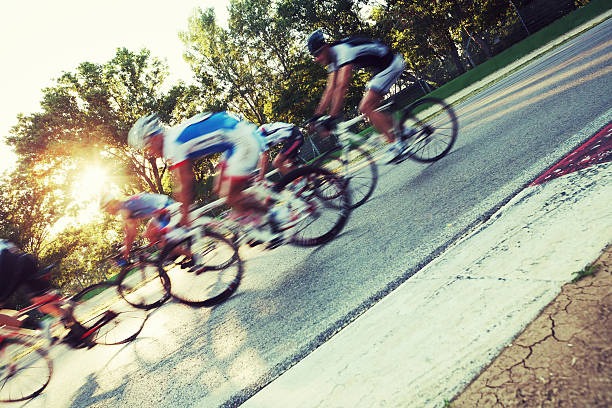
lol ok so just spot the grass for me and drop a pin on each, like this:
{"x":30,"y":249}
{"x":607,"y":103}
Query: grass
{"x":588,"y":270}
{"x":526,"y":46}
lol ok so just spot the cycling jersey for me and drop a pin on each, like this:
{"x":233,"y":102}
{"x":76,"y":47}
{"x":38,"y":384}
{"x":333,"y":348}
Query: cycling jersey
{"x":287,"y":134}
{"x":145,"y":205}
{"x":209,"y":133}
{"x":370,"y":54}
{"x":16,"y":269}
{"x":278,"y":132}
{"x":148,"y":205}
{"x":361,"y":52}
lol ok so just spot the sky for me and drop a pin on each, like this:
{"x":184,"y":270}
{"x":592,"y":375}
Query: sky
{"x":43,"y":38}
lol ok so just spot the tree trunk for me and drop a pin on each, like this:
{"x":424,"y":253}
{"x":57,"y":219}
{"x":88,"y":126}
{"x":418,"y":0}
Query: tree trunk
{"x":452,"y":48}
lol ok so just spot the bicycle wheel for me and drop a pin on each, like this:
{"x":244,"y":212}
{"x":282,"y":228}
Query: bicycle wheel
{"x":103,"y":317}
{"x":320,"y":218}
{"x":431,"y":125}
{"x":25,"y":370}
{"x":141,"y":284}
{"x":213,"y":280}
{"x":359,"y":170}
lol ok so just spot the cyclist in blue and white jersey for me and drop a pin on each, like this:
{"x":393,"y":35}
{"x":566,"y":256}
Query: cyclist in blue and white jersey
{"x":341,"y":58}
{"x":275,"y":134}
{"x":202,"y":135}
{"x":140,"y":207}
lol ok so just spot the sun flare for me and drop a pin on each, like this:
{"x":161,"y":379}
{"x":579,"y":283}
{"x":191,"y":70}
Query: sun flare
{"x":91,"y":183}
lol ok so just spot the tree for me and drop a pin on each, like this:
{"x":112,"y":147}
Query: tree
{"x":30,"y":203}
{"x":89,"y":113}
{"x":259,"y":66}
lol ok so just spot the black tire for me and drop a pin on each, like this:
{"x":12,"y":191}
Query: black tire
{"x":141,"y":284}
{"x":361,"y":173}
{"x":436,"y":128}
{"x":324,"y":217}
{"x":25,"y":370}
{"x":211,"y":284}
{"x":103,"y":317}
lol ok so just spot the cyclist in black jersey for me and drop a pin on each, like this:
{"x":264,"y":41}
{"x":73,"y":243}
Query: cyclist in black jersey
{"x":343,"y":57}
{"x":275,"y":134}
{"x":20,"y":270}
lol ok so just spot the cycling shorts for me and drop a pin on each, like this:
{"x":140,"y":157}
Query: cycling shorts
{"x":383,"y":81}
{"x":242,"y":158}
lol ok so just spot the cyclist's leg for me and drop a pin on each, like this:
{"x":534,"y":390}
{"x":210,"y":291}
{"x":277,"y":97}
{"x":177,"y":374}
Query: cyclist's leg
{"x":153,"y":230}
{"x":236,"y":174}
{"x":285,"y":160}
{"x":378,"y":87}
{"x":381,"y":121}
{"x":8,"y":320}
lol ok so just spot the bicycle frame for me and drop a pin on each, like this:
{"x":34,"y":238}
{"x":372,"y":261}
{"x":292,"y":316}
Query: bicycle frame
{"x":18,"y":332}
{"x":200,"y":221}
{"x":56,"y":300}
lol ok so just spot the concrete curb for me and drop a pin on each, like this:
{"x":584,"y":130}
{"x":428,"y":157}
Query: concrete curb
{"x":424,"y":343}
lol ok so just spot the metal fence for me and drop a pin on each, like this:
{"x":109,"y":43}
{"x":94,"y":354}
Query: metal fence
{"x":523,"y":18}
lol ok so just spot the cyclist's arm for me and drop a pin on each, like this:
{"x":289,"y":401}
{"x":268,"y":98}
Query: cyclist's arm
{"x":218,"y":177}
{"x":263,"y":164}
{"x":185,"y":176}
{"x":326,"y":99}
{"x":343,"y":78}
{"x":131,"y":229}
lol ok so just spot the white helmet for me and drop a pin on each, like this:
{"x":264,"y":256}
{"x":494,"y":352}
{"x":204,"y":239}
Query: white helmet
{"x":105,"y":200}
{"x":143,"y":130}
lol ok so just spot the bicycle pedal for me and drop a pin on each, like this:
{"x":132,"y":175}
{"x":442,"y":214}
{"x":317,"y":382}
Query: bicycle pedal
{"x":187,"y":264}
{"x":254,"y":243}
{"x":275,"y":243}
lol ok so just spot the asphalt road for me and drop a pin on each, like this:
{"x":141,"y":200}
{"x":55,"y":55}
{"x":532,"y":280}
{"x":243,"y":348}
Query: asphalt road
{"x":293,"y":299}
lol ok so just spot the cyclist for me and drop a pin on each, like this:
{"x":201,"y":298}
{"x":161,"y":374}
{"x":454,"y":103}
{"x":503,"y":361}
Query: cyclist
{"x":280,"y":133}
{"x":20,"y":270}
{"x":341,"y":58}
{"x":139,"y":207}
{"x":202,"y":135}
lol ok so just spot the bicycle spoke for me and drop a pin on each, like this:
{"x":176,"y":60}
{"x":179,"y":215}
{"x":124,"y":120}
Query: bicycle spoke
{"x":213,"y":279}
{"x":111,"y":320}
{"x":436,"y":129}
{"x":324,"y":216}
{"x":26,"y":370}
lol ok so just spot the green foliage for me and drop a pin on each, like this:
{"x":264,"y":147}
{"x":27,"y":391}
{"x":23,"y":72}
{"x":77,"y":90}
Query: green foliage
{"x":586,"y":271}
{"x":30,"y":203}
{"x":90,"y":111}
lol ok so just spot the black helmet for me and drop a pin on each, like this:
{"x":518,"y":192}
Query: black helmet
{"x":315,"y":42}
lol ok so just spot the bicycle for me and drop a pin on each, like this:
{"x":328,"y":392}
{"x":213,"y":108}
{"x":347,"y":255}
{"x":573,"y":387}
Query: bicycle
{"x":161,"y":270}
{"x":138,"y":280}
{"x":351,"y":162}
{"x":315,"y":221}
{"x":429,"y":126}
{"x":92,"y":317}
{"x":219,"y":270}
